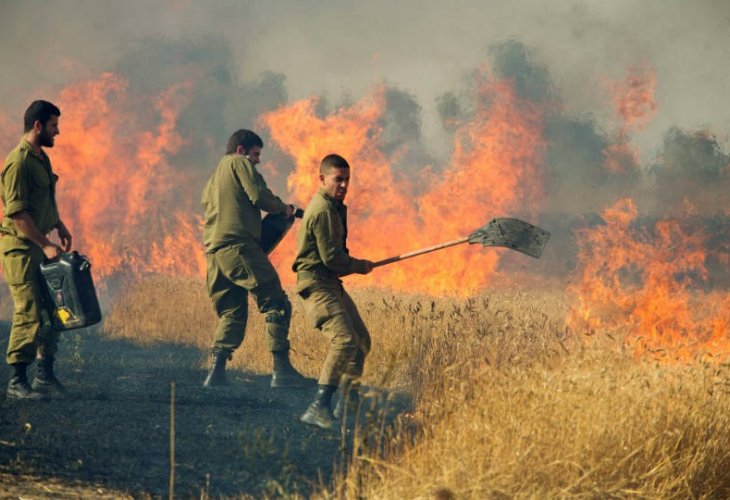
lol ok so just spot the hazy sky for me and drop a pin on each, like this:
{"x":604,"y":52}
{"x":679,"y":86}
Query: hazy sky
{"x":341,"y":48}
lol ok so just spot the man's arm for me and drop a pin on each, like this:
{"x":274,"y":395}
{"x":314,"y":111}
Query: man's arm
{"x":257,"y":191}
{"x":16,"y":187}
{"x":328,"y":234}
{"x":25,"y":224}
{"x":65,"y":235}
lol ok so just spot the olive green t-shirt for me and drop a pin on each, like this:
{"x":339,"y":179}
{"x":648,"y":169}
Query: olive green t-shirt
{"x":322,"y":240}
{"x":232,"y":202}
{"x":27,"y":183}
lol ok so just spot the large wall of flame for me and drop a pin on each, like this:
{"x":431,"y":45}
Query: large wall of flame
{"x":137,"y":145}
{"x":577,"y":116}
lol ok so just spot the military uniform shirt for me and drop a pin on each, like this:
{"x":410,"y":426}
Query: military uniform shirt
{"x":28,"y":184}
{"x":232,"y":202}
{"x":322,"y":240}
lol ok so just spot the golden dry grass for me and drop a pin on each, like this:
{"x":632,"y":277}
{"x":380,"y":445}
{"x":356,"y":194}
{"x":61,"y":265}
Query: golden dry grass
{"x":507,"y":402}
{"x":592,"y":425}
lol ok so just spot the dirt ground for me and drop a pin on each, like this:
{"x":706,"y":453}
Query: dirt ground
{"x":110,"y":437}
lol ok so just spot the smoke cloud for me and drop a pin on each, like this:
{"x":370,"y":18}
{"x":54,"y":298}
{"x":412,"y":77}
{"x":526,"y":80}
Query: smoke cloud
{"x":232,"y":61}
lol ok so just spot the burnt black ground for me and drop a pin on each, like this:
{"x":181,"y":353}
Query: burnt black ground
{"x":113,"y":430}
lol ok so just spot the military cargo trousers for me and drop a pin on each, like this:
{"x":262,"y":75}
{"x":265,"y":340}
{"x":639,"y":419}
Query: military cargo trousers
{"x":234,"y":271}
{"x":31,"y":332}
{"x":329,"y":308}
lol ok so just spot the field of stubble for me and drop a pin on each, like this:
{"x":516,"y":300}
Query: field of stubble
{"x":485,"y":397}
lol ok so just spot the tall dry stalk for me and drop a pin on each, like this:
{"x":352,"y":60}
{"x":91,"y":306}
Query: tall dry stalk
{"x":172,"y":440}
{"x":505,"y":401}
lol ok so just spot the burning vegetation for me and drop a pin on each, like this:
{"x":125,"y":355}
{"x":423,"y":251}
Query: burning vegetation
{"x":130,"y":184}
{"x":638,"y":259}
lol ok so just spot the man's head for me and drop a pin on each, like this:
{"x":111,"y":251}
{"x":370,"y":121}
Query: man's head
{"x":334,"y":176}
{"x":245,"y":142}
{"x":41,"y":121}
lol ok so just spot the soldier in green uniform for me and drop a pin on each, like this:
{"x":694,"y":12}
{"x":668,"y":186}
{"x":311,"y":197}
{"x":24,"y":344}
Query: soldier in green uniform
{"x":30,"y":213}
{"x":232,"y":201}
{"x":322,"y":258}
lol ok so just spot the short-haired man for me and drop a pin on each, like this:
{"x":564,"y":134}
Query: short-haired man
{"x":232,"y":201}
{"x":30,"y":213}
{"x":322,"y":258}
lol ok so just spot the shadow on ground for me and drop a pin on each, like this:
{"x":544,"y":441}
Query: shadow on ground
{"x":114,"y":429}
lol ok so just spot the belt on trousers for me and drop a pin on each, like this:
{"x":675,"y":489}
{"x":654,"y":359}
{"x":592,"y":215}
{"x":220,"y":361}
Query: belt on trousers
{"x":317,"y":276}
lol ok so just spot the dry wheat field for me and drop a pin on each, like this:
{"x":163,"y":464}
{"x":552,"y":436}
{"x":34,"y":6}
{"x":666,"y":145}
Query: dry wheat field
{"x":507,"y":402}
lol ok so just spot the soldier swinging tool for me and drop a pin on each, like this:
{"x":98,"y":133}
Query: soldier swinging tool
{"x":322,"y":258}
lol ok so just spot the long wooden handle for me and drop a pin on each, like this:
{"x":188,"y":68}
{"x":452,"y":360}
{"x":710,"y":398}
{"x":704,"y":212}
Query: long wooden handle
{"x":408,"y":255}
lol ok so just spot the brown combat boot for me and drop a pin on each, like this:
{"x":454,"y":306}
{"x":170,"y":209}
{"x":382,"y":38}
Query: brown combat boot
{"x":284,"y":374}
{"x":45,"y":380}
{"x":19,"y":389}
{"x":319,"y":413}
{"x":217,"y":373}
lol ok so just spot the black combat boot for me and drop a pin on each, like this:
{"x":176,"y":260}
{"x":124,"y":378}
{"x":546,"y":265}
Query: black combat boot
{"x":284,"y":374}
{"x":349,"y":402}
{"x":319,"y":413}
{"x":18,"y":388}
{"x":217,"y":373}
{"x":45,"y":379}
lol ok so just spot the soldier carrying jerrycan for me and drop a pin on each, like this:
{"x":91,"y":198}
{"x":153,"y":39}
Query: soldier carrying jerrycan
{"x":51,"y":290}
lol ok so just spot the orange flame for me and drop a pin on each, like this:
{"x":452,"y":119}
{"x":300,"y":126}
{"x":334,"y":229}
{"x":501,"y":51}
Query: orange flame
{"x":647,"y":285}
{"x":130,"y":211}
{"x":493,"y":172}
{"x":634,"y":98}
{"x":123,"y":202}
{"x":634,"y":104}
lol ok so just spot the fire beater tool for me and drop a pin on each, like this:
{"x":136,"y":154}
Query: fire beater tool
{"x":505,"y":232}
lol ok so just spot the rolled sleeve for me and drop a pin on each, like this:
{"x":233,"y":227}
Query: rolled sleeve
{"x":15,"y":188}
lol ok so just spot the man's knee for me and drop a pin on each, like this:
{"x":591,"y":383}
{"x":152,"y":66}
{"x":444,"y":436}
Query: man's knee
{"x":344,"y":341}
{"x":278,"y":311}
{"x":26,"y":300}
{"x":234,"y":315}
{"x":30,"y":320}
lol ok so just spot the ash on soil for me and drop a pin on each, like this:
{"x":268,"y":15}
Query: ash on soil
{"x":113,"y":430}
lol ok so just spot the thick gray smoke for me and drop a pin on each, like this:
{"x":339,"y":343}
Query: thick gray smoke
{"x":249,"y":57}
{"x":219,"y":103}
{"x":340,"y":48}
{"x":695,"y":155}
